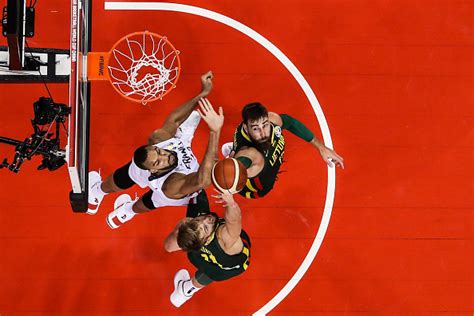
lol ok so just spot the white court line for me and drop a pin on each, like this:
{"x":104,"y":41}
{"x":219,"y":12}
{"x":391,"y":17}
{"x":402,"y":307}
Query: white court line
{"x":175,"y":7}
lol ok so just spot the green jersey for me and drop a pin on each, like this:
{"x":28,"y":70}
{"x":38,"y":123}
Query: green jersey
{"x":261,"y":184}
{"x":215,"y":263}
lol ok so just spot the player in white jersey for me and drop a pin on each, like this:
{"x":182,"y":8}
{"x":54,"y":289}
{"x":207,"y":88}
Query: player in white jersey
{"x":166,"y":164}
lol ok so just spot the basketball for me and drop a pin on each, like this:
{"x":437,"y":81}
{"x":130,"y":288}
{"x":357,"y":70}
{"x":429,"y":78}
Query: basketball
{"x":229,"y":175}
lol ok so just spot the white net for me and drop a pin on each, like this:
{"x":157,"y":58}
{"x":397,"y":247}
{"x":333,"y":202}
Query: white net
{"x":144,"y":66}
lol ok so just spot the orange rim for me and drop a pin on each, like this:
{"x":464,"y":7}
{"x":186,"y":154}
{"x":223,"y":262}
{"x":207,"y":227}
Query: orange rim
{"x":98,"y":65}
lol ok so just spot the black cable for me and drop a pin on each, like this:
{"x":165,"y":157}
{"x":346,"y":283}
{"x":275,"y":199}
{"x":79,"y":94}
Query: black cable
{"x":39,"y":71}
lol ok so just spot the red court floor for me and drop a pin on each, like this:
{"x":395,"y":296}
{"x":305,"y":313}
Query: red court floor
{"x":395,"y":83}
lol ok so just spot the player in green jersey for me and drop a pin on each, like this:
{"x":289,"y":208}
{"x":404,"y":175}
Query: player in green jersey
{"x":259,"y":144}
{"x":218,"y":247}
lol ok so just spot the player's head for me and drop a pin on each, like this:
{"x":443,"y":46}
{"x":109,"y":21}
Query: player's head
{"x":155,"y":159}
{"x":256,"y":122}
{"x":194,"y":233}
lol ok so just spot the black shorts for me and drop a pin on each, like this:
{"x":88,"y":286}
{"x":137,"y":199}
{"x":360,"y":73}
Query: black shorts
{"x":121,"y":177}
{"x":198,"y":206}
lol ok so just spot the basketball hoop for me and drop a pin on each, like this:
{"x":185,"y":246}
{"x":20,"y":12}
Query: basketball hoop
{"x":142,"y":66}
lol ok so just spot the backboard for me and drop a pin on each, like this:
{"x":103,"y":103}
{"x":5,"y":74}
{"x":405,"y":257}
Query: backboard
{"x":77,"y":150}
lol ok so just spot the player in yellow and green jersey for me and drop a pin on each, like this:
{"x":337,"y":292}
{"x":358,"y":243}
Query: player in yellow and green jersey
{"x":259,"y":144}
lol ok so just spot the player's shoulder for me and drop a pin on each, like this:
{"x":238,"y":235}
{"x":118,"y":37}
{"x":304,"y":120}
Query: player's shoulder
{"x":162,"y":142}
{"x":226,"y":240}
{"x":275,"y":118}
{"x":158,"y":136}
{"x":240,"y":136}
{"x":239,"y":127}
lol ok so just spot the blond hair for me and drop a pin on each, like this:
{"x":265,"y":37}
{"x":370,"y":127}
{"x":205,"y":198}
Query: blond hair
{"x":188,"y":236}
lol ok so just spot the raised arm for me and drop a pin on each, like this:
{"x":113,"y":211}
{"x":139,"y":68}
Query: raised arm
{"x":230,"y":233}
{"x":179,"y":185}
{"x":180,"y":114}
{"x":300,"y":130}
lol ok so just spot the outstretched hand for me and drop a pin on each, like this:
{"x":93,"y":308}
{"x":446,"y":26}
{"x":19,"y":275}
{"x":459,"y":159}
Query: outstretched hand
{"x":206,"y":83}
{"x":213,"y":120}
{"x":331,"y":157}
{"x":226,"y":199}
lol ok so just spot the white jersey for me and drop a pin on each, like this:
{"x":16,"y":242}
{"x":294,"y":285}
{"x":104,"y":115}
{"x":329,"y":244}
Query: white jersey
{"x":187,"y":163}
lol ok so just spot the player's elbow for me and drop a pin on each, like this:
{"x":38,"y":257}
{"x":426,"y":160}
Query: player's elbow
{"x":170,"y":246}
{"x":167,"y":245}
{"x":169,"y":249}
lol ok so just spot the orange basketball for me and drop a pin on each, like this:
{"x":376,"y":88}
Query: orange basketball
{"x":229,"y":175}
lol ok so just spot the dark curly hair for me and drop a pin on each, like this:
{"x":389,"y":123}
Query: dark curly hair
{"x":140,"y":155}
{"x":253,"y":112}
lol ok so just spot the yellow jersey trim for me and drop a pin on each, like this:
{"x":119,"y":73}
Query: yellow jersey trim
{"x":245,"y":134}
{"x":250,"y":186}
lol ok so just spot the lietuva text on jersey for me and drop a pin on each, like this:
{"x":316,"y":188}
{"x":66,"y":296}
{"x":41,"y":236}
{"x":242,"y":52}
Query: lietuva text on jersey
{"x":215,"y":263}
{"x":263,"y":183}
